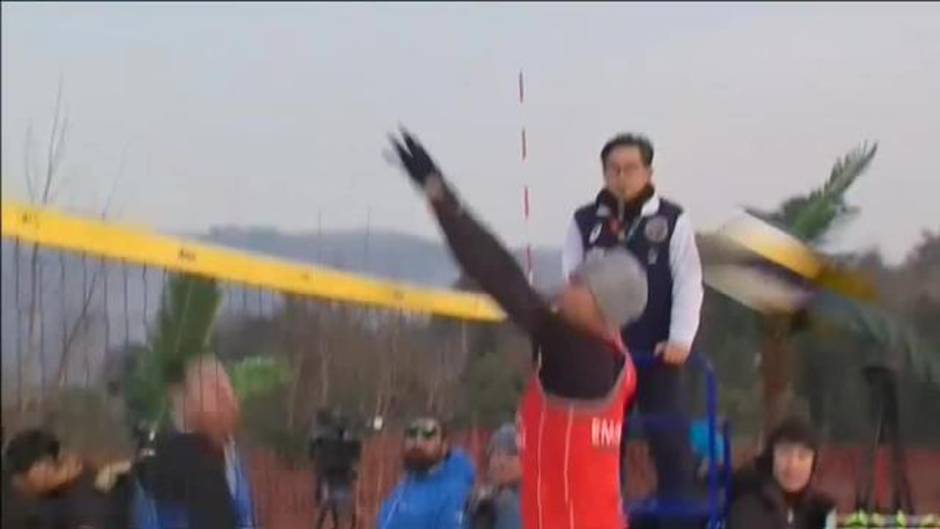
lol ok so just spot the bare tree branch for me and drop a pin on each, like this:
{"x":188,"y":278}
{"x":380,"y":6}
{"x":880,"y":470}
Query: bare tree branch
{"x":27,"y":164}
{"x":57,"y":158}
{"x":55,"y":155}
{"x":73,"y":332}
{"x":114,"y":183}
{"x":54,"y":143}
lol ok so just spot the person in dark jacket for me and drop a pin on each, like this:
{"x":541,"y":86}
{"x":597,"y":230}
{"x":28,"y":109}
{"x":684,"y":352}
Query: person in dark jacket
{"x":335,"y":453}
{"x":776,"y":491}
{"x":629,"y":213}
{"x":50,"y":488}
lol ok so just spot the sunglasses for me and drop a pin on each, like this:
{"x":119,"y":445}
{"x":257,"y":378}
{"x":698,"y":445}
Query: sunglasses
{"x":425,"y":432}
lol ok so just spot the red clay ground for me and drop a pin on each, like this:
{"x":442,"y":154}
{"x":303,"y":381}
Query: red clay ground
{"x":284,"y":496}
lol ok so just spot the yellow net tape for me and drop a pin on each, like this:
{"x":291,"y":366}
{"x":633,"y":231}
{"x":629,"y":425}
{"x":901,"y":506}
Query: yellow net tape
{"x":95,"y":237}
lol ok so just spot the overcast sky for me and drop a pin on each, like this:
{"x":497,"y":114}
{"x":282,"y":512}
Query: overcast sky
{"x":268,"y":114}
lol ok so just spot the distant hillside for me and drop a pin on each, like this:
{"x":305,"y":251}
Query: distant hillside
{"x":383,"y":254}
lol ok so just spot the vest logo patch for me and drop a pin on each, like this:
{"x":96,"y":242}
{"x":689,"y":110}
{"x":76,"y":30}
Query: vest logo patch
{"x":657,"y":229}
{"x":595,"y":233}
{"x":605,"y":433}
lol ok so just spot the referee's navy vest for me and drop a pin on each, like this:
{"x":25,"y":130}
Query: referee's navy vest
{"x":647,"y":237}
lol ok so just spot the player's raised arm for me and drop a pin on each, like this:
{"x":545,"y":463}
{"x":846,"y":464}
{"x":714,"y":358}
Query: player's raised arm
{"x":477,"y":251}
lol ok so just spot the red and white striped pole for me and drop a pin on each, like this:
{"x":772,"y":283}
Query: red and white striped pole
{"x":529,"y":269}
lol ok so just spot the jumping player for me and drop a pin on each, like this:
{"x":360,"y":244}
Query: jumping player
{"x":571,"y":414}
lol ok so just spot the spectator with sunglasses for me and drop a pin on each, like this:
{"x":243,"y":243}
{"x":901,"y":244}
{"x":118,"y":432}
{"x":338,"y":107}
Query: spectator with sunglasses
{"x":436,"y":485}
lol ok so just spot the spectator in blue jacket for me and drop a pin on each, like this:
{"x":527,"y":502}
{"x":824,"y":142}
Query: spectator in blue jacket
{"x":437,"y":482}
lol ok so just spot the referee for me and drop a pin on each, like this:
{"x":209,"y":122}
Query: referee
{"x":629,"y":213}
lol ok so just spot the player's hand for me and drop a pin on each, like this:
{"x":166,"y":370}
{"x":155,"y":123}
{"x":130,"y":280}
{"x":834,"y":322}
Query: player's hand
{"x":672,"y":353}
{"x":109,"y":474}
{"x":415,"y":160}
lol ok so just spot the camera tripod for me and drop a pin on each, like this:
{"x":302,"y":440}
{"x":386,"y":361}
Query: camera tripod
{"x":337,"y":500}
{"x":882,"y":384}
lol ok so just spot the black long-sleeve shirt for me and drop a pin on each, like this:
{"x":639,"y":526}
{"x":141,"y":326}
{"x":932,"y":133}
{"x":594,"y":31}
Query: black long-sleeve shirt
{"x":76,"y":505}
{"x":573,"y":364}
{"x":189,"y":471}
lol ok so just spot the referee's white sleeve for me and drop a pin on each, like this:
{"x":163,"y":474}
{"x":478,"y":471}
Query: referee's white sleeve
{"x":687,"y":290}
{"x":573,"y":252}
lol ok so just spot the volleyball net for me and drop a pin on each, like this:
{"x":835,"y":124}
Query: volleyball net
{"x":87,"y":304}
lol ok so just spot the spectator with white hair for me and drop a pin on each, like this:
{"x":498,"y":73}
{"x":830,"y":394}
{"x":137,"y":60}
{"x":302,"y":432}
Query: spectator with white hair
{"x":197,"y":476}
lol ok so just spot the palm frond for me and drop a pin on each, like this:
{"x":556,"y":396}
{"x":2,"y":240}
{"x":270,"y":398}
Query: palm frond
{"x":184,"y":325}
{"x":811,"y":217}
{"x":145,"y":391}
{"x":770,"y":217}
{"x":257,"y":376}
{"x":883,"y":335}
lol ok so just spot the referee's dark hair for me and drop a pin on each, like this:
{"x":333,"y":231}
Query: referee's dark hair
{"x":639,"y":141}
